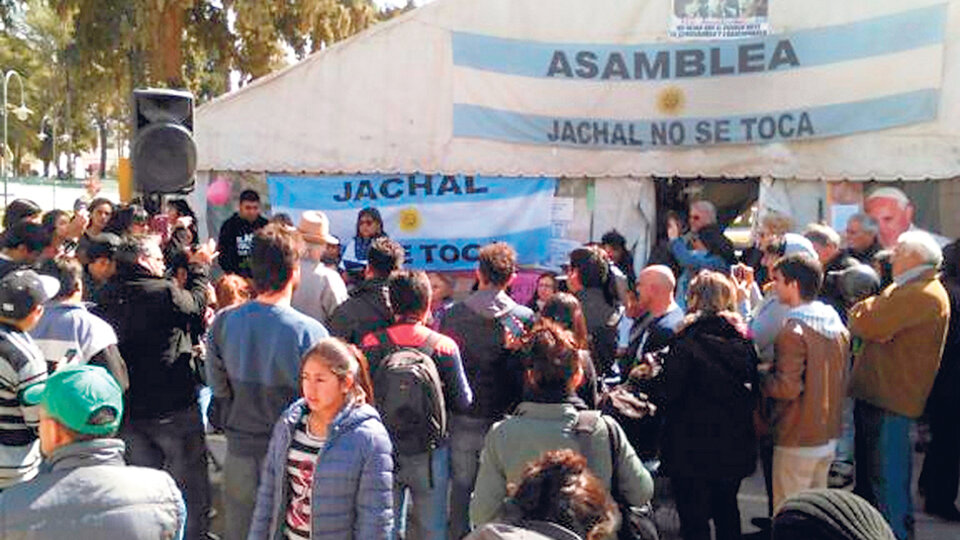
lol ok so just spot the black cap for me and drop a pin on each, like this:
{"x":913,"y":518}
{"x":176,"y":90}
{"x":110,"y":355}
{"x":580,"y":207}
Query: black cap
{"x":23,"y":290}
{"x":102,"y":245}
{"x":25,"y":233}
{"x":19,"y":210}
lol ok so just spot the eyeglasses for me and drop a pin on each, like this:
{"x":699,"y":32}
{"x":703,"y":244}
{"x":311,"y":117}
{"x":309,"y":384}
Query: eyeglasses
{"x":367,"y":222}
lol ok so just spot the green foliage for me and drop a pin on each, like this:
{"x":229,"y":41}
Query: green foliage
{"x":81,"y":58}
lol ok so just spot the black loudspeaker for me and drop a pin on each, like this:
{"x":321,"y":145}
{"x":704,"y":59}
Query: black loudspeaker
{"x":164,"y":155}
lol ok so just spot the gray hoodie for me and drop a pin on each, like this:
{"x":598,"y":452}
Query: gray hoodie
{"x":86,"y":492}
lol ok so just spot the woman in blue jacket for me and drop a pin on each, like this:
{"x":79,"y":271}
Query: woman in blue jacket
{"x":328,"y":472}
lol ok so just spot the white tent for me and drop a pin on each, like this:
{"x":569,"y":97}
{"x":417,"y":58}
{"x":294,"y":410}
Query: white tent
{"x":384,"y":100}
{"x":544,"y":87}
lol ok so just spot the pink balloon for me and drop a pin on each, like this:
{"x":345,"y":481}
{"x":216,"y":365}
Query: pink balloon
{"x":218,"y":193}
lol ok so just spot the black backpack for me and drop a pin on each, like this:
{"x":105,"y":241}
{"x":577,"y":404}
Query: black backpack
{"x":409,"y":396}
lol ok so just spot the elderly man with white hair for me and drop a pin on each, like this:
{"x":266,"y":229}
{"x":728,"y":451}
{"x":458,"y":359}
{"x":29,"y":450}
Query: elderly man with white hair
{"x":704,"y":247}
{"x":826,"y":242}
{"x":894,"y":212}
{"x":702,"y":213}
{"x":862,"y":237}
{"x":902,"y":332}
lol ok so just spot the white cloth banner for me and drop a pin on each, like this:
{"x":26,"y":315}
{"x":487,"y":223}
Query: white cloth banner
{"x":820,"y":82}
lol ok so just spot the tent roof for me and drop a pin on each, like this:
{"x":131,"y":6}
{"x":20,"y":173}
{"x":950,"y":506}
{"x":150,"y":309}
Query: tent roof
{"x":382,"y":101}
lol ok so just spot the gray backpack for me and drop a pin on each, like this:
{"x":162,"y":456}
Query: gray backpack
{"x":409,"y":396}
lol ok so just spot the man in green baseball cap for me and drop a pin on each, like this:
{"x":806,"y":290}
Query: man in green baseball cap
{"x":87,"y":489}
{"x":76,"y":405}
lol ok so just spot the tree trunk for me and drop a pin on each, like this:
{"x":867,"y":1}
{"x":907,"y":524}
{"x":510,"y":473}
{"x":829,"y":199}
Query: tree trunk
{"x":102,"y":132}
{"x":68,"y":128}
{"x":167,"y":45}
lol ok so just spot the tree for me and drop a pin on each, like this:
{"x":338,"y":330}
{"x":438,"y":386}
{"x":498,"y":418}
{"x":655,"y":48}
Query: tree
{"x":83,"y":58}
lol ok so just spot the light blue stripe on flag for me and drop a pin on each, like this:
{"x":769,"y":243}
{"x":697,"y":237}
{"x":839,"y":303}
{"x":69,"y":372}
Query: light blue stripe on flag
{"x":382,"y":190}
{"x":474,"y":121}
{"x":877,"y":36}
{"x":532,"y":248}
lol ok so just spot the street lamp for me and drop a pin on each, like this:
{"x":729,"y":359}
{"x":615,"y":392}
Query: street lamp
{"x":21,"y":112}
{"x":54,"y":157}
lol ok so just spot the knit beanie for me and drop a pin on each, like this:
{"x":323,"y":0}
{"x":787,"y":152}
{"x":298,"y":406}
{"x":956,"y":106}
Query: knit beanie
{"x":829,"y":514}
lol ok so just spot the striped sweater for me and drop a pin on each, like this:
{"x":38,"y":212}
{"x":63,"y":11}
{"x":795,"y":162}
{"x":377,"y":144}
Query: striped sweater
{"x":21,"y":365}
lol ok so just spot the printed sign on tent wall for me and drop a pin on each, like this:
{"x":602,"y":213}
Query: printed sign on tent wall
{"x":719,"y":19}
{"x":441,"y":221}
{"x":560,"y":243}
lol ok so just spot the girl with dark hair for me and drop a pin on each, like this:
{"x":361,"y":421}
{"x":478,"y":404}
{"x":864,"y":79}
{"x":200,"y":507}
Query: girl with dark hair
{"x":56,"y":224}
{"x":564,"y":309}
{"x":128,"y":220}
{"x":182,"y":227}
{"x":710,"y":393}
{"x":546,"y":287}
{"x":558,"y":497}
{"x":328,"y":472}
{"x":178,"y":208}
{"x":369,"y":227}
{"x":183,"y":223}
{"x":441,"y":299}
{"x":552,"y":418}
{"x":101,"y":210}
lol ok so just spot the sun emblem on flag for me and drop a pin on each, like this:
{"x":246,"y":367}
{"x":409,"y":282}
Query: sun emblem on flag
{"x":671,"y":100}
{"x":409,"y":219}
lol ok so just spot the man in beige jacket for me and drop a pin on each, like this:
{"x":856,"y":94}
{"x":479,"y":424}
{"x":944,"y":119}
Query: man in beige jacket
{"x":807,"y":381}
{"x":901,"y":332}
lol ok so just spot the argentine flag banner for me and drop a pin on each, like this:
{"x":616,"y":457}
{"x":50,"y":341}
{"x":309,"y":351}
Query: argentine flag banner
{"x":441,"y":220}
{"x":863,"y":74}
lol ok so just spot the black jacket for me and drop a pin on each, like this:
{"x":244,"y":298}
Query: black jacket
{"x":865,"y":256}
{"x":830,"y":292}
{"x":478,"y":325}
{"x":710,"y":391}
{"x":365,"y":311}
{"x":7,"y":266}
{"x":236,"y":243}
{"x":152,"y":317}
{"x":602,"y":319}
{"x":946,"y":387}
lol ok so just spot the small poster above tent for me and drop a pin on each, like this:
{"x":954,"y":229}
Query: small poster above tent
{"x":719,"y":19}
{"x":813,"y":83}
{"x":441,"y":220}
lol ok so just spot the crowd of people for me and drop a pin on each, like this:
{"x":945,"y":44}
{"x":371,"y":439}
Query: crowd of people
{"x":360,"y":399}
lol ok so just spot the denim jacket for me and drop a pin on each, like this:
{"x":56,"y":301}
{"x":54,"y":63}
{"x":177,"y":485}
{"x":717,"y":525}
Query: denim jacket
{"x":352,"y":491}
{"x":85,"y":491}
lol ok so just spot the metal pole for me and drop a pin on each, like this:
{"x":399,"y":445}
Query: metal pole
{"x":6,"y":113}
{"x":56,"y":162}
{"x":3,"y":158}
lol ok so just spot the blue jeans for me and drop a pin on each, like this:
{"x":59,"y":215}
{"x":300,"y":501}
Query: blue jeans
{"x":423,"y":480}
{"x":175,"y":443}
{"x":846,"y":440}
{"x":241,"y":475}
{"x":466,"y":442}
{"x":884,"y":466}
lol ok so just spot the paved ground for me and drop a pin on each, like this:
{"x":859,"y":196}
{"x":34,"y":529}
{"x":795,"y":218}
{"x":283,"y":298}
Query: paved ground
{"x":753,"y":503}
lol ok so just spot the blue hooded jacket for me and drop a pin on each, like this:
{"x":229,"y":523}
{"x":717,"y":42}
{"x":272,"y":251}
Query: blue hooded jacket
{"x":352,"y":491}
